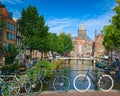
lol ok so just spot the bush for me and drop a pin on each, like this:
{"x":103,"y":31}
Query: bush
{"x":7,"y":69}
{"x":48,"y":66}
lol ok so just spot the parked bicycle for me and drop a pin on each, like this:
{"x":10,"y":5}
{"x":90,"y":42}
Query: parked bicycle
{"x":60,"y":83}
{"x":103,"y":82}
{"x":9,"y":88}
{"x":21,"y":80}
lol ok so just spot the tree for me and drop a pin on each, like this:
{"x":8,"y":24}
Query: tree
{"x":2,"y":28}
{"x":34,"y":30}
{"x":112,"y":32}
{"x":10,"y":54}
{"x":60,"y":45}
{"x":52,"y":41}
{"x":116,"y":24}
{"x":41,"y":35}
{"x":68,"y":46}
{"x":108,"y":37}
{"x":27,"y":24}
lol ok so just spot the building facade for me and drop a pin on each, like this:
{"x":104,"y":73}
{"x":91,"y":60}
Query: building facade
{"x":99,"y":49}
{"x":8,"y":32}
{"x":82,"y":43}
{"x":19,"y":37}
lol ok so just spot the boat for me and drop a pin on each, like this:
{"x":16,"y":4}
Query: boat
{"x":99,"y":65}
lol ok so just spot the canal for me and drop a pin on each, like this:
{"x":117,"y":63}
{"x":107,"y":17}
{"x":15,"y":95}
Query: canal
{"x":76,"y":67}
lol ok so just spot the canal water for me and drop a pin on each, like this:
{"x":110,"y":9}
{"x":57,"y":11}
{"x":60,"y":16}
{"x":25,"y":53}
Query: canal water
{"x":76,"y":67}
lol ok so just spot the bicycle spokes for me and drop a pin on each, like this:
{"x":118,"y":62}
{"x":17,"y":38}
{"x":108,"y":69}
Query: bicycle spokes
{"x":61,"y":84}
{"x":81,"y":83}
{"x":105,"y":83}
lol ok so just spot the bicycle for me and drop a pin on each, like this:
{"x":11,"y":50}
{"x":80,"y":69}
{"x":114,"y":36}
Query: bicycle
{"x":103,"y":82}
{"x":21,"y":80}
{"x":60,"y":83}
{"x":10,"y":88}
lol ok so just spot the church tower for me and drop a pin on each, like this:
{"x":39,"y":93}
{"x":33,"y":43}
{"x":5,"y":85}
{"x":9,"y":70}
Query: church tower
{"x":82,"y":31}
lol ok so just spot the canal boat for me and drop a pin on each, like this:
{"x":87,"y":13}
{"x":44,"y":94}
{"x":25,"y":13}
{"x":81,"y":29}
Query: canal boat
{"x":99,"y":65}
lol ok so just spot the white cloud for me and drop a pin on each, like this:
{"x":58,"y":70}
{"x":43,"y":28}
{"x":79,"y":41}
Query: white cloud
{"x":57,"y":24}
{"x":12,"y":1}
{"x":72,"y":24}
{"x":16,"y":14}
{"x":98,"y":23}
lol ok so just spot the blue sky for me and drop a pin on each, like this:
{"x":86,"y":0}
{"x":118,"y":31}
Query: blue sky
{"x":68,"y":14}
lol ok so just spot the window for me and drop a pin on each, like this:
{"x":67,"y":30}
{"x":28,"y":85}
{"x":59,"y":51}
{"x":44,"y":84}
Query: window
{"x":6,"y":46}
{"x":13,"y":36}
{"x":10,"y":36}
{"x":7,"y":25}
{"x":7,"y":35}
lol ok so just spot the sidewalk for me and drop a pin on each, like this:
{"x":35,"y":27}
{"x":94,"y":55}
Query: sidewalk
{"x":74,"y":93}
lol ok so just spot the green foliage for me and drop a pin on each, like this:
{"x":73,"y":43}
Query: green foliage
{"x":52,"y":42}
{"x":48,"y":66}
{"x":7,"y":69}
{"x":1,"y":50}
{"x":33,"y":29}
{"x":112,"y":32}
{"x":108,"y":36}
{"x":68,"y":46}
{"x":2,"y":28}
{"x":10,"y":54}
{"x":60,"y":45}
{"x":27,"y":22}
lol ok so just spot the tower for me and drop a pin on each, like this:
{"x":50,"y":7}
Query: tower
{"x":82,"y":31}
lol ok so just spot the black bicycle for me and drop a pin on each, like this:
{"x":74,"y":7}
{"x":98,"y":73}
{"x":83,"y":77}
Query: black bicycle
{"x":59,"y":83}
{"x":103,"y":82}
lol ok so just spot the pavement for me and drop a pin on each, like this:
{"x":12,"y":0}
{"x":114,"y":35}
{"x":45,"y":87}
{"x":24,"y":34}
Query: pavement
{"x":89,"y":93}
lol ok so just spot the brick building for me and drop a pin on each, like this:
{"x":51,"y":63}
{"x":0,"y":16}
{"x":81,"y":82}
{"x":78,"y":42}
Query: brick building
{"x":19,"y":37}
{"x":99,"y":49}
{"x":8,"y":33}
{"x":82,"y":43}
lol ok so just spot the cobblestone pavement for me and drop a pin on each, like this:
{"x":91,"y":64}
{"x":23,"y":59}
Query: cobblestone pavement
{"x":74,"y":93}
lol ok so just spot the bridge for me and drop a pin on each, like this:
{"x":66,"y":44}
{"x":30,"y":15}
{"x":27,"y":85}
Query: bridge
{"x":75,"y":58}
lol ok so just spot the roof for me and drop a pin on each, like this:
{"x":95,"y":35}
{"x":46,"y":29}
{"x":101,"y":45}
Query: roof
{"x":2,"y":6}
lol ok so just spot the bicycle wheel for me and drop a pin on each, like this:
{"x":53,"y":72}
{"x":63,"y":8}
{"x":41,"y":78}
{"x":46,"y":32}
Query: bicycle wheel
{"x":105,"y":83}
{"x":33,"y":87}
{"x":81,"y":83}
{"x":11,"y":88}
{"x":61,"y":84}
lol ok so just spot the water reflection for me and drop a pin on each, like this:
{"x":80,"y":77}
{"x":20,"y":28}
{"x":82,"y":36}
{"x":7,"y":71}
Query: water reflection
{"x":77,"y":67}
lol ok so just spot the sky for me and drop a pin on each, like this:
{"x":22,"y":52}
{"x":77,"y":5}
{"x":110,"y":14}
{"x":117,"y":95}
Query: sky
{"x":67,"y":15}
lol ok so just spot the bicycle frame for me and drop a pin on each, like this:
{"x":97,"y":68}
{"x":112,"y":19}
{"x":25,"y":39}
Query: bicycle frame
{"x":2,"y":83}
{"x":91,"y":78}
{"x":18,"y":79}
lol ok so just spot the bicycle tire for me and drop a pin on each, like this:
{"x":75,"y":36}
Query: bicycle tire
{"x":10,"y":88}
{"x":105,"y":83}
{"x":83,"y":84}
{"x":33,"y":87}
{"x":61,"y":84}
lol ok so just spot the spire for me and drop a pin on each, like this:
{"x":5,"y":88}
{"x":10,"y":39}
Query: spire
{"x":82,"y":26}
{"x":95,"y":32}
